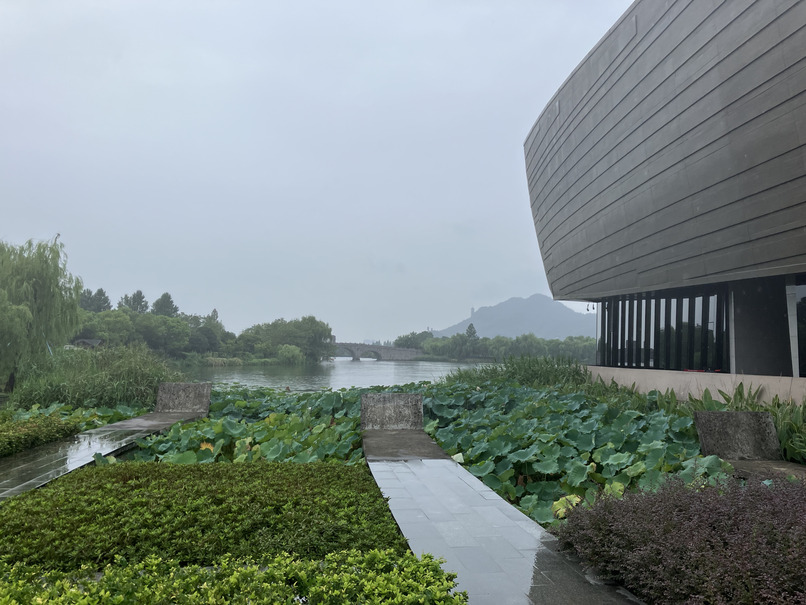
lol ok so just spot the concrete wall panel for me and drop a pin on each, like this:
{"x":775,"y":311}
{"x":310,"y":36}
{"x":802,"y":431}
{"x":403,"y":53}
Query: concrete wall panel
{"x":674,"y":154}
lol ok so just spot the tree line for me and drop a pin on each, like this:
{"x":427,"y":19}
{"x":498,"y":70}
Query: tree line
{"x":165,"y":329}
{"x":468,"y":345}
{"x":43,"y":307}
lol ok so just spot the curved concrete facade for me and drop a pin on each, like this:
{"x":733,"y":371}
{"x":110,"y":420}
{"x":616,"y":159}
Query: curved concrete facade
{"x":674,"y":156}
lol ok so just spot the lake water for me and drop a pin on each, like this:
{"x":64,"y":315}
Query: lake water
{"x":342,"y":372}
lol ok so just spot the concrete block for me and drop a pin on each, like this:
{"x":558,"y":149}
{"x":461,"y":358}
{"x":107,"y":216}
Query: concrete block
{"x":184,"y":397}
{"x":392,"y":411}
{"x":738,"y":435}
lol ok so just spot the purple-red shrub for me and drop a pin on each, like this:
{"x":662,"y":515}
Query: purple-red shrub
{"x":730,"y":543}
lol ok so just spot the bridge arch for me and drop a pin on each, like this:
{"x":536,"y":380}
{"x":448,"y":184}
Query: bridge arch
{"x":382,"y":353}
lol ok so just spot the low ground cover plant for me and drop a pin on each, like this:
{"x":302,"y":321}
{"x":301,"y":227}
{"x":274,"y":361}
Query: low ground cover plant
{"x":726,"y":543}
{"x":196,"y":514}
{"x":83,"y":418}
{"x":16,"y":436}
{"x":372,"y":577}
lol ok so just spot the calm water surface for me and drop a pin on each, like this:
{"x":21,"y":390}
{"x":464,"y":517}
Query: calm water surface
{"x":337,"y":374}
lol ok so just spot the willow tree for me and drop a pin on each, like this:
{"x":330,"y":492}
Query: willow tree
{"x":38,"y":302}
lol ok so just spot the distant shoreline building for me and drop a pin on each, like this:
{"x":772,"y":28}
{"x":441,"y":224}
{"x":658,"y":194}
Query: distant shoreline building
{"x":667,"y":179}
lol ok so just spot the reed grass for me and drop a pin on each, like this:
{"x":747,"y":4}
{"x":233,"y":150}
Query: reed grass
{"x":93,"y":378}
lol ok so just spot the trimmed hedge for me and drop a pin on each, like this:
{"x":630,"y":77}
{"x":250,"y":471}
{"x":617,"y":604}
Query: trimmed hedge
{"x":195,"y":514}
{"x":372,"y":577}
{"x":16,"y":436}
{"x":727,"y":543}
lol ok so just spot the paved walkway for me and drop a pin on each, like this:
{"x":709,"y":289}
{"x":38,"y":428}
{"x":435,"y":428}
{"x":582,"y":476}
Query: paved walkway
{"x":501,"y":556}
{"x":37,"y":466}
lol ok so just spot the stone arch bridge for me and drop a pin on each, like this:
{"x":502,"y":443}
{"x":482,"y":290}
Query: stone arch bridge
{"x":382,"y":353}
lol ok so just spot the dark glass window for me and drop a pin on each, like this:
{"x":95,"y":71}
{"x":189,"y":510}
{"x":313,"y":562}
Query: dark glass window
{"x":673,"y":330}
{"x":800,"y":294}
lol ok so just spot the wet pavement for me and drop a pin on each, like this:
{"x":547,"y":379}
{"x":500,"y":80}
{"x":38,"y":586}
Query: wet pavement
{"x":500,"y":555}
{"x":37,"y":466}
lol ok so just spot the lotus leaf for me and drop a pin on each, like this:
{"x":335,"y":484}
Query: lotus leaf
{"x":576,"y":472}
{"x":523,"y":455}
{"x":484,"y":468}
{"x":547,"y":467}
{"x":561,"y":507}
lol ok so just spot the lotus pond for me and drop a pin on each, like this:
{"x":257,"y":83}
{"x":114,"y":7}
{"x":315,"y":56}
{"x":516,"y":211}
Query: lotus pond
{"x":544,"y":450}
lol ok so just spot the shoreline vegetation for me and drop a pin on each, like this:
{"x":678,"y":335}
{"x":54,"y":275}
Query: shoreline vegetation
{"x":58,"y":312}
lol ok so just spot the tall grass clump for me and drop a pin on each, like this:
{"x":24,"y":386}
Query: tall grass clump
{"x":92,"y":378}
{"x":526,"y":371}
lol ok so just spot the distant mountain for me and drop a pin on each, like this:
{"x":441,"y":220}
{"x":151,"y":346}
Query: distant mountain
{"x":538,"y":315}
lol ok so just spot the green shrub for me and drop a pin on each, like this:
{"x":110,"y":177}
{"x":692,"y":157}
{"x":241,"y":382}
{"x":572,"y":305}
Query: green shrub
{"x":18,"y":436}
{"x":196,"y":514}
{"x":729,"y":543}
{"x":84,"y":418}
{"x":372,"y":577}
{"x":91,"y":378}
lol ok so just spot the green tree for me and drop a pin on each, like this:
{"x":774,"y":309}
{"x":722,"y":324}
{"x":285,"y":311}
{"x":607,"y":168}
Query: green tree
{"x":114,"y":327}
{"x":311,"y":336}
{"x":136,"y":302}
{"x":212,"y":323}
{"x":85,"y":302}
{"x":290,"y":355}
{"x":95,"y":302}
{"x":14,"y":323}
{"x":164,"y":305}
{"x":169,"y":335}
{"x":471,"y":331}
{"x":38,"y":302}
{"x":413,"y":340}
{"x":317,"y":339}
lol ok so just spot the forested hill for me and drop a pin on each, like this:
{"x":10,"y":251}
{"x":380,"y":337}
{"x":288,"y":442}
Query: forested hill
{"x":538,"y":315}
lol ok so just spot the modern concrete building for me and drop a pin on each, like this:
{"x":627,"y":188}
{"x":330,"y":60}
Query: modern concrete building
{"x":667,"y":179}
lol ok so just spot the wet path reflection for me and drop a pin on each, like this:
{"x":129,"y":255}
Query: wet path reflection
{"x":500,"y":555}
{"x":37,"y":466}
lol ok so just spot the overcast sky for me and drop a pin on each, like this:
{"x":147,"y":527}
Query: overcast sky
{"x":360,"y":161}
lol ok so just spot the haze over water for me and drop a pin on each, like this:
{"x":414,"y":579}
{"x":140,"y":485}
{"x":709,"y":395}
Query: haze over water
{"x":337,"y":374}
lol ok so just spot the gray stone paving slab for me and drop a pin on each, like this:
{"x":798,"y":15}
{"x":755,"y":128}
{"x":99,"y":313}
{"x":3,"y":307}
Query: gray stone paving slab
{"x":37,"y":466}
{"x":380,"y":445}
{"x":500,"y":556}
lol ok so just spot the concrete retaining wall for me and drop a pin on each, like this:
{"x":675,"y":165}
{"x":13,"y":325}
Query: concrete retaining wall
{"x":695,"y":383}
